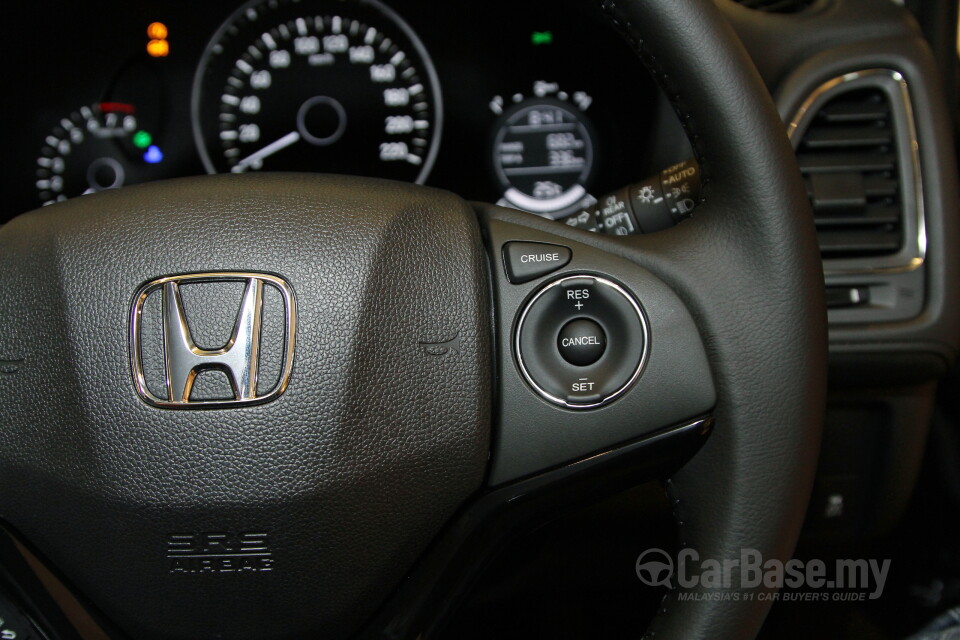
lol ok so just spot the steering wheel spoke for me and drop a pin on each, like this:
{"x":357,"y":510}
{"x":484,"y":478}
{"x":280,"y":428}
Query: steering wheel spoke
{"x":594,"y":353}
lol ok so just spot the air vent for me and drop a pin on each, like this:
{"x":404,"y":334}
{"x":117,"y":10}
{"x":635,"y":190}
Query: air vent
{"x":777,"y":6}
{"x":857,"y":146}
{"x":850,"y":161}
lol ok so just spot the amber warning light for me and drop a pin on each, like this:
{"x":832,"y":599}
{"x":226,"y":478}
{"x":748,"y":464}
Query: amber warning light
{"x":157,"y":46}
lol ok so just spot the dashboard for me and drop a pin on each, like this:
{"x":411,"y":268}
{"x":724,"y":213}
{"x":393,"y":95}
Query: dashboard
{"x":535,"y":105}
{"x":541,"y":105}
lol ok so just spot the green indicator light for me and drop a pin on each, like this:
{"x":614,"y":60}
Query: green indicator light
{"x":541,"y":37}
{"x":142,"y":139}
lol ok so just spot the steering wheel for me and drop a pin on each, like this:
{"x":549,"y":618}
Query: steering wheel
{"x":396,"y":402}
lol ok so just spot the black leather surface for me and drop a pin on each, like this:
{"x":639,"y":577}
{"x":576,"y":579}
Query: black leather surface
{"x":748,"y":268}
{"x":350,"y":473}
{"x":778,"y":42}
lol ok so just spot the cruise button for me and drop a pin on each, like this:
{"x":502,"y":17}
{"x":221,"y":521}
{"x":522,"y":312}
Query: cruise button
{"x":525,"y":261}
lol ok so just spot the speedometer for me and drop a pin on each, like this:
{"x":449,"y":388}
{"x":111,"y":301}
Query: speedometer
{"x":317,"y":85}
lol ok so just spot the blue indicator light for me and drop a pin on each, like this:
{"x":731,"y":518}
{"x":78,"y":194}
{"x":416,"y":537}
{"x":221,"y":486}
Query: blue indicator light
{"x":153,"y":155}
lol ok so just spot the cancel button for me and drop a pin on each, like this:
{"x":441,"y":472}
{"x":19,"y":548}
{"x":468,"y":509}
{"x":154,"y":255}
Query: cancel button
{"x":581,"y":342}
{"x":527,"y":261}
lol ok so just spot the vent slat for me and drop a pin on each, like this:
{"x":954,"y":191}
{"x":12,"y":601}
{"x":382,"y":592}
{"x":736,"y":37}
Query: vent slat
{"x":844,"y":137}
{"x":848,"y":157}
{"x":878,"y":215}
{"x":854,"y":112}
{"x":879,"y":186}
{"x":777,"y":6}
{"x":857,"y":241}
{"x":837,"y":162}
{"x":837,"y":190}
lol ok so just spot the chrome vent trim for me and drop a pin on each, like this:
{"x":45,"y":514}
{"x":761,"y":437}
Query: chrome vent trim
{"x":913,"y":251}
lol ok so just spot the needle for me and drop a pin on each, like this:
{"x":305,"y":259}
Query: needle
{"x":255,"y":158}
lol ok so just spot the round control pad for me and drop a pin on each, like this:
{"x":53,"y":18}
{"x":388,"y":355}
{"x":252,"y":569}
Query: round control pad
{"x":581,"y":341}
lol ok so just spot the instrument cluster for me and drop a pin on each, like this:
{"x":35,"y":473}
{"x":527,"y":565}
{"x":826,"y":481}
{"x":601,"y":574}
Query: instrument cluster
{"x":535,"y":105}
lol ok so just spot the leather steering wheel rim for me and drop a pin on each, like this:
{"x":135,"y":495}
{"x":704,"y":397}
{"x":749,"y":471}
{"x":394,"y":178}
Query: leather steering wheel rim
{"x":762,"y":315}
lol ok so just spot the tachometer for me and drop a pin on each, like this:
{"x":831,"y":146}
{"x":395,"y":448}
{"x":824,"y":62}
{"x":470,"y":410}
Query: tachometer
{"x":317,"y":85}
{"x":95,"y":148}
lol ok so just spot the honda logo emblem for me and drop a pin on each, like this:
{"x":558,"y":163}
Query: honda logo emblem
{"x":239,"y":358}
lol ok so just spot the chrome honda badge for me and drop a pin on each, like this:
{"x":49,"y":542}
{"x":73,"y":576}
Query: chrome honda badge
{"x":239,"y":358}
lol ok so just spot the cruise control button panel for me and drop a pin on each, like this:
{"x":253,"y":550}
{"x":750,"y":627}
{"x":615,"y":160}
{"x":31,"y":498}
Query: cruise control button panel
{"x":526,"y":261}
{"x":581,"y":341}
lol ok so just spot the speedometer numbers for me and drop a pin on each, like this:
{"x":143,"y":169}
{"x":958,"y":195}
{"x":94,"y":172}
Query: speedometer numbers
{"x":544,"y":151}
{"x":317,"y":85}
